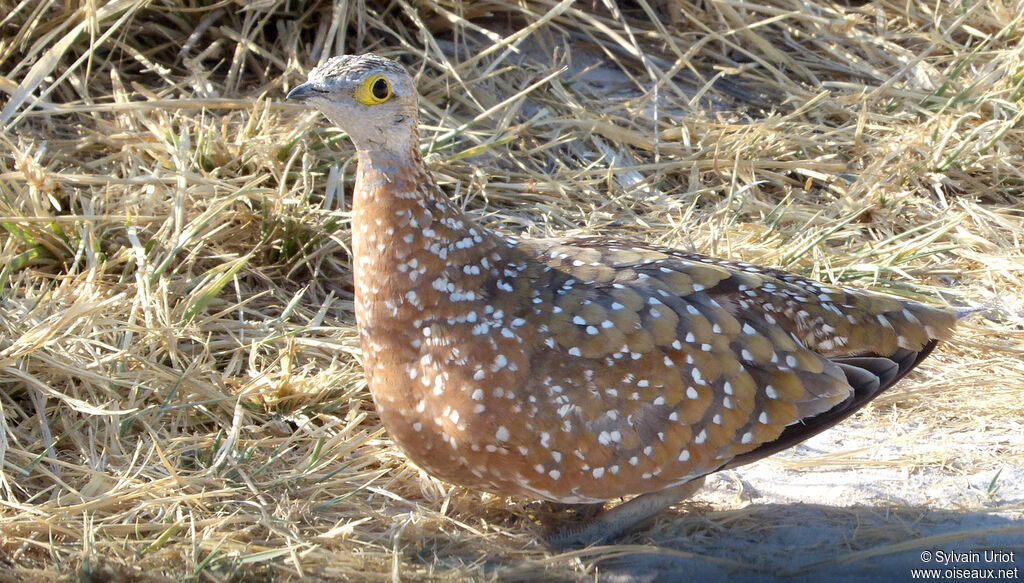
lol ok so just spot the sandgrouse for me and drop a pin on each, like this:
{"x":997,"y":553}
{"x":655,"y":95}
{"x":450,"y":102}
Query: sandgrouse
{"x":583,"y":370}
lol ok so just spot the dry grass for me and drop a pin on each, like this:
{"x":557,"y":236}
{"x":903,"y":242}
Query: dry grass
{"x":181,"y":395}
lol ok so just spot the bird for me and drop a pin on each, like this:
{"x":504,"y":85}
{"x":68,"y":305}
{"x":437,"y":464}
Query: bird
{"x":585,"y":370}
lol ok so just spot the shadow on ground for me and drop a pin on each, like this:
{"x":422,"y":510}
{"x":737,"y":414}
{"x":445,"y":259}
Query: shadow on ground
{"x":811,"y":542}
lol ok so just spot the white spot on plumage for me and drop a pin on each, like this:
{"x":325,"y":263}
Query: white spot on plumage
{"x":500,"y":362}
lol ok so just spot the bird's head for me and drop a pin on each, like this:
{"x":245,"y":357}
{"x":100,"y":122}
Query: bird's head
{"x":372,"y":98}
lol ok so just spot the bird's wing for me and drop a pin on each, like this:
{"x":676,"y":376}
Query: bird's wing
{"x":752,"y":360}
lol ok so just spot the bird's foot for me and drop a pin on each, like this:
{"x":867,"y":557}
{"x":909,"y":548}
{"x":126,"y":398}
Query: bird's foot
{"x":610,"y":524}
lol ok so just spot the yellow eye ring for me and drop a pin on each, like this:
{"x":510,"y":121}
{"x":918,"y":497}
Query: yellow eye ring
{"x":374,"y":90}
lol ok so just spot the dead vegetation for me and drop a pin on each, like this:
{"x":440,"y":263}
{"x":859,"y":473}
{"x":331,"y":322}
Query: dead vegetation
{"x":179,"y":382}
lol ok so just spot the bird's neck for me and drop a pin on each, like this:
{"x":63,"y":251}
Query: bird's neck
{"x":406,"y":236}
{"x":400,"y":212}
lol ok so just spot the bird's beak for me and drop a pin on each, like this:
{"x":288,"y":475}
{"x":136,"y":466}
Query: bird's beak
{"x":302,"y":92}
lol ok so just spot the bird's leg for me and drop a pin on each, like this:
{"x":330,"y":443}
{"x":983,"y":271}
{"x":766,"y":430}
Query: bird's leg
{"x":579,"y":511}
{"x":613,"y":522}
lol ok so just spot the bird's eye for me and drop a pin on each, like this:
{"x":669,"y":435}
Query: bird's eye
{"x":375,"y":90}
{"x":380,"y":89}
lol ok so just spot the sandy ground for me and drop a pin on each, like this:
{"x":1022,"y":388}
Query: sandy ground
{"x":867,"y":521}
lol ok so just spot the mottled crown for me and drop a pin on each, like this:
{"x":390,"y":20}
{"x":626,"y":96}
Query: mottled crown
{"x":354,"y":67}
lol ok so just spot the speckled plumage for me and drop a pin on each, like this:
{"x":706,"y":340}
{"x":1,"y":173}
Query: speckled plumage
{"x":581,"y":370}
